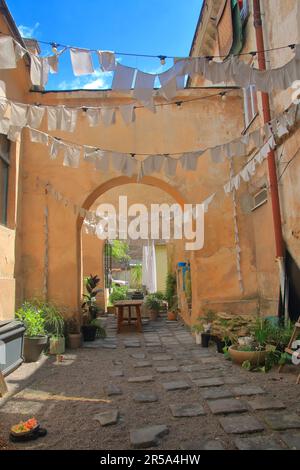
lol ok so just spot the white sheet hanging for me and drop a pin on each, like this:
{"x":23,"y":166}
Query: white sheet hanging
{"x":82,"y":63}
{"x":7,"y":53}
{"x":107,"y":60}
{"x":18,"y":115}
{"x":170,"y":166}
{"x":124,"y":164}
{"x":127,"y":113}
{"x":94,"y":117}
{"x":54,"y":148}
{"x":152,"y":164}
{"x":189,"y":161}
{"x":123,"y":77}
{"x":149,"y":276}
{"x":53,"y":63}
{"x":38,"y":137}
{"x":108,"y":116}
{"x":71,"y":156}
{"x":143,"y":88}
{"x":39,"y":70}
{"x":35,"y":116}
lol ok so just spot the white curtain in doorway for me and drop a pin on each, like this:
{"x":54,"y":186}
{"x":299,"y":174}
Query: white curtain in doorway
{"x":149,"y":268}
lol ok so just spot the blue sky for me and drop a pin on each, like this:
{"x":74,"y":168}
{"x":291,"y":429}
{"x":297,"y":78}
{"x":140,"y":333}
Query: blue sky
{"x":158,"y":27}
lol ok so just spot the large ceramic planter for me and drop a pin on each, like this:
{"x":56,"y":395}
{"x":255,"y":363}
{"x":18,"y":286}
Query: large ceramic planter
{"x":57,"y":345}
{"x":256,"y":358}
{"x":205,"y":338}
{"x":74,"y":340}
{"x":197,"y":337}
{"x":33,"y":347}
{"x":89,"y":332}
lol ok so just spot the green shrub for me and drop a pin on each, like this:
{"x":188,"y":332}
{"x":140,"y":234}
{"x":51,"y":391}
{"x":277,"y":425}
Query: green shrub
{"x":33,"y":317}
{"x":118,"y":293}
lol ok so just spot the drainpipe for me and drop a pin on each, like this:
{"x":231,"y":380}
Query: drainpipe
{"x":279,"y":244}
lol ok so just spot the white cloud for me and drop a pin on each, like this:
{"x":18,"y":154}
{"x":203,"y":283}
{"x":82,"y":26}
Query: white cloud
{"x":99,"y":80}
{"x":28,"y":31}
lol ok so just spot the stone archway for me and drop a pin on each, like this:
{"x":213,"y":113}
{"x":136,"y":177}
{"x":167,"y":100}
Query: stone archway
{"x":102,"y":189}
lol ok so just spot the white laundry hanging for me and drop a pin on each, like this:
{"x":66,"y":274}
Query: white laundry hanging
{"x":71,"y":156}
{"x":7,"y":53}
{"x":81,"y":62}
{"x":107,"y":60}
{"x":127,"y":113}
{"x":123,"y":77}
{"x":149,"y":276}
{"x":35,"y":116}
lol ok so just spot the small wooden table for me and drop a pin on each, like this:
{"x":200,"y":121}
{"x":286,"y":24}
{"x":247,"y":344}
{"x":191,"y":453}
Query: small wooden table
{"x":121,"y":304}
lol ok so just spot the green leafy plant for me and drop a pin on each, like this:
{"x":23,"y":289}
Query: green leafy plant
{"x":170,"y":289}
{"x":89,"y":305}
{"x":120,"y":251}
{"x":118,"y":293}
{"x":136,"y":273}
{"x":32,"y":315}
{"x":101,"y":333}
{"x":154,"y":301}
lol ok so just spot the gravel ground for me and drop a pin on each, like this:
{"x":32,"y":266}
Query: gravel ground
{"x":65,"y":397}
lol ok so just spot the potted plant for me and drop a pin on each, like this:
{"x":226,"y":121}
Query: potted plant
{"x":198,"y":329}
{"x":206,"y":320}
{"x":54,"y":324}
{"x":154,"y":303}
{"x":171,"y":297}
{"x":35,"y":339}
{"x":90,"y":308}
{"x":74,"y":335}
{"x":254,"y":353}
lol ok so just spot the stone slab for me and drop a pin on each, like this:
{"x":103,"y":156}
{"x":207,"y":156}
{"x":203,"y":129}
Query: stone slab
{"x":167,"y":369}
{"x":282,"y":420}
{"x":248,"y":390}
{"x":234,"y":380}
{"x":176,"y":385}
{"x":148,"y":436}
{"x":214,"y":393}
{"x":138,"y":355}
{"x":209,"y":382}
{"x":266,"y":403}
{"x":257,"y":443}
{"x":188,"y":410}
{"x":132,"y":344}
{"x":242,"y":424}
{"x":227,"y":406}
{"x":116,"y":373}
{"x":202,"y":445}
{"x":291,"y":439}
{"x":107,"y":418}
{"x":141,"y":379}
{"x":162,"y":357}
{"x":113,"y":389}
{"x":142,"y":364}
{"x":145,"y":397}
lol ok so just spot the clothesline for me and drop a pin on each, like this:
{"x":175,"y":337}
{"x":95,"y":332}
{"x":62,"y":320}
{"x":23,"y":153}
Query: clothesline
{"x":238,"y":147}
{"x":232,"y":71}
{"x":56,"y":44}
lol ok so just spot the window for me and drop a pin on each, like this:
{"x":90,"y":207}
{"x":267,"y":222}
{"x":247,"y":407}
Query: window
{"x":4,"y":174}
{"x":260,"y":198}
{"x":250,"y":104}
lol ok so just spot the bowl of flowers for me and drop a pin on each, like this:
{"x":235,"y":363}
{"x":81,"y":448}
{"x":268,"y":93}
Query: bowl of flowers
{"x":24,"y":427}
{"x":26,"y":431}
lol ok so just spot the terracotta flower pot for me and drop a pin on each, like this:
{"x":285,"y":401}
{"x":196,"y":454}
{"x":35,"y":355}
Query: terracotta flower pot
{"x":172,"y":316}
{"x":33,"y":347}
{"x":256,"y":358}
